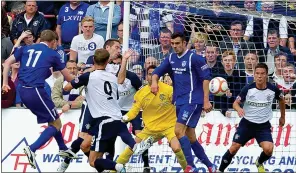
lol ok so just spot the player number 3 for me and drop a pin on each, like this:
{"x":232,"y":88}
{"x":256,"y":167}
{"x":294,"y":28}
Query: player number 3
{"x":31,"y":52}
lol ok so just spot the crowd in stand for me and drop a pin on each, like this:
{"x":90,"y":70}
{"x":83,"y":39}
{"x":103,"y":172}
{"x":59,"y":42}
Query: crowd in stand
{"x":232,"y":44}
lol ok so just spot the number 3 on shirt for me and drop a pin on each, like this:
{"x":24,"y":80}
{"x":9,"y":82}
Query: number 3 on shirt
{"x":36,"y":57}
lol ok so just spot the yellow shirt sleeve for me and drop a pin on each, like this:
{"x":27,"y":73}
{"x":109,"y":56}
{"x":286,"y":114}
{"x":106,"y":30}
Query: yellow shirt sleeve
{"x":134,"y":111}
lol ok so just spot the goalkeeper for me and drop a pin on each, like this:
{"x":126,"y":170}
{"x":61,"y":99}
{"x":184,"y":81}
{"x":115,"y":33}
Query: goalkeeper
{"x":159,"y":118}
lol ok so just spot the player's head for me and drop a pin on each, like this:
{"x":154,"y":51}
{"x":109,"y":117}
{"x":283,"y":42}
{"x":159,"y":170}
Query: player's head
{"x":178,"y":42}
{"x":261,"y":73}
{"x":87,"y":25}
{"x":29,"y":40}
{"x":101,"y":57}
{"x":49,"y":37}
{"x":113,"y":47}
{"x":72,"y":67}
{"x":211,"y":52}
{"x":251,"y":60}
{"x":228,"y":60}
{"x":149,"y":72}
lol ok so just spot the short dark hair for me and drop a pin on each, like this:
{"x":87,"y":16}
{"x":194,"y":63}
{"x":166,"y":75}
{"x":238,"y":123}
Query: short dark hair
{"x":273,"y":31}
{"x":166,"y":31}
{"x":178,"y":34}
{"x":281,"y":54}
{"x":237,"y":22}
{"x":151,"y":67}
{"x":71,"y":61}
{"x":110,"y":42}
{"x":262,"y":65}
{"x":101,"y":56}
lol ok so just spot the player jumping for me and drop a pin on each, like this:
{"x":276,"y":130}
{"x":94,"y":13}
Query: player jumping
{"x":256,"y":112}
{"x":190,"y":75}
{"x":35,"y":63}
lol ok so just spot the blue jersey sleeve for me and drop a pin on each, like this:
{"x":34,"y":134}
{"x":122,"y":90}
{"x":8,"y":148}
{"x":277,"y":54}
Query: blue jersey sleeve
{"x":57,"y":62}
{"x":165,"y":67}
{"x":135,"y":81}
{"x":201,"y":67}
{"x":82,"y":80}
{"x":18,"y":53}
{"x":243,"y":94}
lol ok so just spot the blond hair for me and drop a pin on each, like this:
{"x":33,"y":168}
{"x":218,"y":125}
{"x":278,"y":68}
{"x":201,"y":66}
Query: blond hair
{"x":87,"y":19}
{"x":229,"y":53}
{"x":200,"y":36}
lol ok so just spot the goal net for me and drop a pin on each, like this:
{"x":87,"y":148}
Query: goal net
{"x":210,"y":31}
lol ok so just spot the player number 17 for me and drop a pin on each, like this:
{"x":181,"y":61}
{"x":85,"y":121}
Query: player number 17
{"x":31,"y":52}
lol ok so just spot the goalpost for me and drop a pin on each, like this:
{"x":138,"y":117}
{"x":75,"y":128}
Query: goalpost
{"x":215,"y":131}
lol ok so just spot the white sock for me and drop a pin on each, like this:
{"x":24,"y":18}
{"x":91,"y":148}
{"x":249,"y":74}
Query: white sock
{"x":118,"y":167}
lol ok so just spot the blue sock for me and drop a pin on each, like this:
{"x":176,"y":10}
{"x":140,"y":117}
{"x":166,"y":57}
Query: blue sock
{"x":75,"y":147}
{"x":49,"y":132}
{"x":200,"y":154}
{"x":60,"y":140}
{"x":185,"y":144}
{"x":104,"y":164}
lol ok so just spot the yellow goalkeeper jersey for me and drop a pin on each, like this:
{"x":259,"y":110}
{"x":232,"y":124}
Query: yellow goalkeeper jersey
{"x":158,"y":111}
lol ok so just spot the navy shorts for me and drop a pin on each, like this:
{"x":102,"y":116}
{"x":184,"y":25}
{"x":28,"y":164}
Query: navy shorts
{"x":86,"y":121}
{"x":189,"y":114}
{"x":40,"y":104}
{"x":248,"y":130}
{"x":137,"y":123}
{"x":105,"y":131}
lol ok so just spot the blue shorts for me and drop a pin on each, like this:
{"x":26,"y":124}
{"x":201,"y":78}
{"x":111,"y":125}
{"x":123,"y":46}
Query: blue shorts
{"x":105,"y":131}
{"x":189,"y":114}
{"x":86,"y":121}
{"x":137,"y":123}
{"x":248,"y":130}
{"x":40,"y":104}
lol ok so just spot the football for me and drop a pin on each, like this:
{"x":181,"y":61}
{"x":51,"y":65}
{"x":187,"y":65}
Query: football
{"x":218,"y":86}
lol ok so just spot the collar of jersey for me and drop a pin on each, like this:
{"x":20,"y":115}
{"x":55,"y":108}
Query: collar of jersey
{"x":44,"y":43}
{"x":182,"y":54}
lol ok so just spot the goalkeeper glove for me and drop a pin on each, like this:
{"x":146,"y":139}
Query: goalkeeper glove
{"x":124,"y":118}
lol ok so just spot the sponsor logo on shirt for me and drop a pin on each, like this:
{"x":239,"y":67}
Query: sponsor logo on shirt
{"x":92,"y":46}
{"x":35,"y":23}
{"x":259,"y":104}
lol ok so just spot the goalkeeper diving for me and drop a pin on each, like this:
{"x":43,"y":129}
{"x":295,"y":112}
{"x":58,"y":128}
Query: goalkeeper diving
{"x":159,"y":118}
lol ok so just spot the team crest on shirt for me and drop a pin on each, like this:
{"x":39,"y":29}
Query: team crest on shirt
{"x":35,"y":23}
{"x":184,"y":63}
{"x":162,"y":97}
{"x":238,"y":98}
{"x":269,"y":97}
{"x":80,"y":12}
{"x":92,"y":46}
{"x":87,"y":126}
{"x":236,"y":136}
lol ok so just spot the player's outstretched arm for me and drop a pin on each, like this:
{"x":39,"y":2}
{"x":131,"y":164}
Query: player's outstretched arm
{"x":237,"y":107}
{"x":6,"y":67}
{"x":122,"y":71}
{"x":282,"y":109}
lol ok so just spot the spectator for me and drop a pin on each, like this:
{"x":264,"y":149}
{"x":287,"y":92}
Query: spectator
{"x":100,"y":12}
{"x":26,"y":37}
{"x":289,"y":77}
{"x":138,"y":69}
{"x":28,"y":19}
{"x":199,"y":41}
{"x":250,"y":61}
{"x":68,"y":23}
{"x":250,"y":5}
{"x":280,"y":62}
{"x":235,"y":79}
{"x":150,"y":60}
{"x":267,"y":55}
{"x":167,"y":80}
{"x":6,"y":45}
{"x":84,"y":45}
{"x":258,"y":28}
{"x":236,"y":43}
{"x":7,"y":98}
{"x":63,"y":99}
{"x":212,"y":58}
{"x":134,"y":45}
{"x":80,"y":68}
{"x":165,"y":48}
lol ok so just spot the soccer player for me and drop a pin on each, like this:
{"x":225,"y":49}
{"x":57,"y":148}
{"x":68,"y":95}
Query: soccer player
{"x":159,"y":117}
{"x":35,"y":63}
{"x":190,"y":75}
{"x":256,"y":112}
{"x":101,"y":96}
